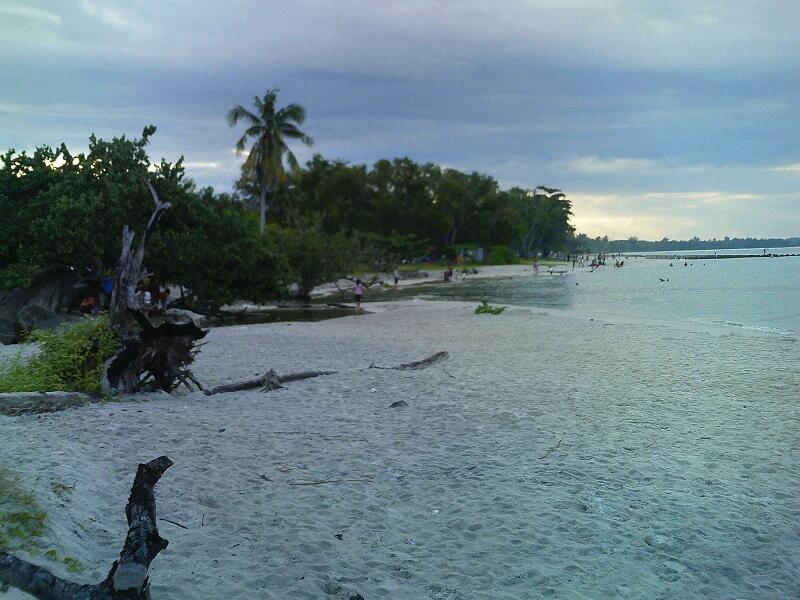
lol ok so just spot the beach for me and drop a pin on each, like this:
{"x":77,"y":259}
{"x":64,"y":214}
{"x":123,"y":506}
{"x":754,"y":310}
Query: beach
{"x":552,"y":455}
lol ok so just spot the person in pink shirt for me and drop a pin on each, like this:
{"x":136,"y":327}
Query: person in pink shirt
{"x":358,"y":292}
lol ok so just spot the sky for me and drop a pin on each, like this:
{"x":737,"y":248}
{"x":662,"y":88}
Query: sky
{"x":659,"y":119}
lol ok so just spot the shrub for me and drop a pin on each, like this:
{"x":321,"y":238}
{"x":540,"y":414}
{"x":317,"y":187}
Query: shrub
{"x":484,"y":308}
{"x":502,"y":255}
{"x":70,"y":359}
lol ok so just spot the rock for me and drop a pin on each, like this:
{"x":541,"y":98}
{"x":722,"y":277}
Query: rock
{"x":52,"y":290}
{"x":398,"y":404}
{"x":182,"y":314}
{"x":8,"y":333}
{"x":32,"y":317}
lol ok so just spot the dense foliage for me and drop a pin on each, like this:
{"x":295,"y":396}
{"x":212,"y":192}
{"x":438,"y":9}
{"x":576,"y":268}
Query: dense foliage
{"x":427,"y":207}
{"x":59,"y":208}
{"x":325,"y":219}
{"x":69,"y":359}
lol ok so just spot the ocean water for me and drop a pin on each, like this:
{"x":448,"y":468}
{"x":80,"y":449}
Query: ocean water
{"x":751,"y":293}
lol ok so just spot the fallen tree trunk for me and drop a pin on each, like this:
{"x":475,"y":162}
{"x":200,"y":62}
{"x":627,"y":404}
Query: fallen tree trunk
{"x":271,"y":381}
{"x":417,"y":365}
{"x":127,"y":579}
{"x":266,"y":382}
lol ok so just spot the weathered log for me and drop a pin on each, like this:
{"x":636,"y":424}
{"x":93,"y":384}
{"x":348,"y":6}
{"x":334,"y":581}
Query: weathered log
{"x":127,"y":579}
{"x":265,"y":382}
{"x":417,"y":365}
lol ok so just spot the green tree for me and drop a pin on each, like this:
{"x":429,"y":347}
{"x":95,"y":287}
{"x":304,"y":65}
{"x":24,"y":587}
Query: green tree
{"x":57,"y":208}
{"x":314,"y":256}
{"x":269,"y":127}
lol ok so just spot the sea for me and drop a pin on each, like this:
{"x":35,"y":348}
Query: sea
{"x":756,"y":294}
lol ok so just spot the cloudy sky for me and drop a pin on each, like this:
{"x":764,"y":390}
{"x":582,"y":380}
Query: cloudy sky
{"x":673,"y":119}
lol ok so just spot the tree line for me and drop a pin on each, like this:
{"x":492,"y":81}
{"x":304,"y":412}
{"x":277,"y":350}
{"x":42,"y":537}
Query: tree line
{"x":632,"y":244}
{"x":283,"y":225}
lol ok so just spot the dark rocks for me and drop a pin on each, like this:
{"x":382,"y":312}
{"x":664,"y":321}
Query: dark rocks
{"x":39,"y":306}
{"x":8,"y":333}
{"x":32,"y":317}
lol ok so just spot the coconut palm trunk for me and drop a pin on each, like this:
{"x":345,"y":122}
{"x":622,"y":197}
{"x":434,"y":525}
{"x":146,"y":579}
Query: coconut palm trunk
{"x":262,"y":208}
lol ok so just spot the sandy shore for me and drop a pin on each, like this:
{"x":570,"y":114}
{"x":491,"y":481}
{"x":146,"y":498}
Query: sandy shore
{"x":435,"y":275}
{"x":539,"y":460}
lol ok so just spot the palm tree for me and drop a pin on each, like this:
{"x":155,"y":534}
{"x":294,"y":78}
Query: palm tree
{"x":269,"y":128}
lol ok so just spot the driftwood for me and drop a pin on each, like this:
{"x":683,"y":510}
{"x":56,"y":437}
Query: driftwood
{"x":550,"y":450}
{"x":272,"y":381}
{"x":419,"y":364}
{"x":305,"y":482}
{"x":155,"y":358}
{"x":130,"y":268}
{"x":269,"y":381}
{"x":127,"y":579}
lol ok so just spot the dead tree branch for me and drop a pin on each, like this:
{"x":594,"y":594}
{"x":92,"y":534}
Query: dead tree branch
{"x":419,"y":364}
{"x":127,"y":579}
{"x":264,"y":380}
{"x":271,"y":381}
{"x":155,"y":357}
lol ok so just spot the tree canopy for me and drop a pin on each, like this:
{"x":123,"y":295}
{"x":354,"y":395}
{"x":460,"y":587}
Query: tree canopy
{"x":433,"y":208}
{"x":328,"y":218}
{"x":57,"y":208}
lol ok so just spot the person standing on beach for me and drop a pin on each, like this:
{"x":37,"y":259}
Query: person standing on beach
{"x":358,"y":292}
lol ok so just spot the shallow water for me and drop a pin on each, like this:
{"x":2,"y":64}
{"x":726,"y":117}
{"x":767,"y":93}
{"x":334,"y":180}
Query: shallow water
{"x":760,"y":293}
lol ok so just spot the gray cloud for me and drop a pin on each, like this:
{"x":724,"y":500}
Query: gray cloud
{"x":617,"y":100}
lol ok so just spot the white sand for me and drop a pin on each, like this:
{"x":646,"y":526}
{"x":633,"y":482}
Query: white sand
{"x":550,"y":456}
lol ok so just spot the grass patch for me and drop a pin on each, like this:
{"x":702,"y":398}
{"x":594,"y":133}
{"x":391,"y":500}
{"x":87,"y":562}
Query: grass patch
{"x":21,"y":519}
{"x":484,"y":308}
{"x":69,"y":359}
{"x":73,"y":564}
{"x":22,"y":523}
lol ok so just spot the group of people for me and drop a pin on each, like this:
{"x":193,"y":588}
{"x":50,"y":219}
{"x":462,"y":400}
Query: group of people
{"x":148,"y":297}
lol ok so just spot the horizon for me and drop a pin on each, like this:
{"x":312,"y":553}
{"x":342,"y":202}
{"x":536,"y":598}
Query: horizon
{"x":651,"y":119}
